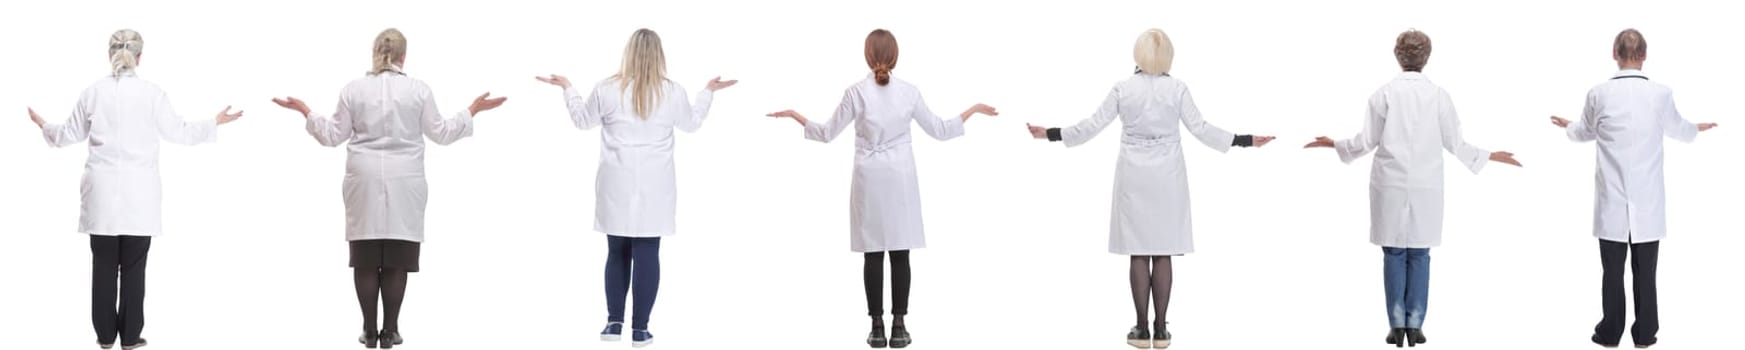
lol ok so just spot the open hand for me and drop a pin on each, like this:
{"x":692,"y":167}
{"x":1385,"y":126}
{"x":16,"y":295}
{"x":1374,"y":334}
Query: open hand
{"x":717,"y":84}
{"x":1505,"y":158}
{"x":486,"y":103}
{"x":1038,"y":132}
{"x":1706,"y":126}
{"x":1559,"y":122}
{"x":1263,"y":140}
{"x":555,"y":79}
{"x":225,"y":117}
{"x":36,"y":118}
{"x":789,"y":114}
{"x":294,"y":104}
{"x":1320,"y":141}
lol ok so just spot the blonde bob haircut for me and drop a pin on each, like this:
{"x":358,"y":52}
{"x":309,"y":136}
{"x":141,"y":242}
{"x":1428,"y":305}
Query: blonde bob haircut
{"x":1153,"y":52}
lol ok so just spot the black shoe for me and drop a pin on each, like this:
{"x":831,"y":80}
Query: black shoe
{"x":368,"y":339}
{"x":1138,"y":337}
{"x":136,"y":345}
{"x":391,"y":338}
{"x":1643,"y":346}
{"x":1397,"y":337}
{"x":876,"y":339}
{"x":1160,"y":339}
{"x":1416,"y":336}
{"x":1608,"y":345}
{"x":900,"y":337}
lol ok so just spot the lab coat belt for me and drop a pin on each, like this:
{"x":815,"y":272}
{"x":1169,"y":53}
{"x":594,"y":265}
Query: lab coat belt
{"x":1146,"y":140}
{"x":876,"y":148}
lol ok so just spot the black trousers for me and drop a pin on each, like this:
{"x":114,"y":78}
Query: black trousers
{"x":874,"y":274}
{"x":118,"y":258}
{"x":1611,"y":327}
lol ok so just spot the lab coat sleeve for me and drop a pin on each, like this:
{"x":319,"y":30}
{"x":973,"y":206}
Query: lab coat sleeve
{"x":444,"y":131}
{"x":1210,"y":135}
{"x":939,"y":128}
{"x":1452,"y":141}
{"x":1086,"y":129}
{"x":172,"y":128}
{"x":1366,"y":140}
{"x":692,"y":119}
{"x":1583,"y":130}
{"x":75,"y":129}
{"x":846,"y":113}
{"x":1674,"y":125}
{"x":331,"y":131}
{"x":586,"y":113}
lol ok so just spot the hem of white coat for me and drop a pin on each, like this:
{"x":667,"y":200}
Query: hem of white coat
{"x":1152,"y":253}
{"x":1406,"y":246}
{"x":884,"y":249}
{"x":1632,"y":240}
{"x":117,"y":234}
{"x":635,"y":235}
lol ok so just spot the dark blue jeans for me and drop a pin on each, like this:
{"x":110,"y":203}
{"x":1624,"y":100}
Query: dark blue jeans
{"x":1406,"y":275}
{"x":632,"y":263}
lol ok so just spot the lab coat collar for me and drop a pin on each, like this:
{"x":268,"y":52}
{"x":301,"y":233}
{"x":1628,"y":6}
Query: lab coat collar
{"x":1413,"y":76}
{"x":126,"y":73}
{"x":1629,"y":73}
{"x":395,"y":68}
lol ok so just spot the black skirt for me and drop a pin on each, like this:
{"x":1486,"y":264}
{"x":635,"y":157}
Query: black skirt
{"x":385,"y":253}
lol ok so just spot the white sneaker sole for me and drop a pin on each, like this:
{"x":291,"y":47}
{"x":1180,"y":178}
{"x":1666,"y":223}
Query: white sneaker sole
{"x":1140,"y":343}
{"x":611,"y":337}
{"x":638,"y":344}
{"x":1160,"y":344}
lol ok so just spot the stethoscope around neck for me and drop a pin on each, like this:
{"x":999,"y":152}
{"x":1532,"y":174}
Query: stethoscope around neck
{"x":1137,"y":70}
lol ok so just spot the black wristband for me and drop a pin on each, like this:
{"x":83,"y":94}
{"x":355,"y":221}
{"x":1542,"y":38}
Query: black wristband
{"x":1243,"y":141}
{"x":1053,"y":134}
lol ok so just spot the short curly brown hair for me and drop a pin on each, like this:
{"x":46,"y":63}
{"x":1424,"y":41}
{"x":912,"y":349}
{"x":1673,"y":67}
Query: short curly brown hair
{"x":1412,"y":49}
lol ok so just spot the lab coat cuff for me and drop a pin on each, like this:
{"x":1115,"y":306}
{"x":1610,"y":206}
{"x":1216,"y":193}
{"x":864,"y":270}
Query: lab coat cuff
{"x":1053,"y":134}
{"x":1343,"y":147}
{"x":571,"y":91}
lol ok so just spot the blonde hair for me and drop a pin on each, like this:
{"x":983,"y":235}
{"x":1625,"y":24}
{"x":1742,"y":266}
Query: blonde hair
{"x":1412,"y":50}
{"x":124,"y":49}
{"x":881,"y":55}
{"x":643,"y":71}
{"x":1153,"y":52}
{"x":1629,"y":46}
{"x":390,"y":48}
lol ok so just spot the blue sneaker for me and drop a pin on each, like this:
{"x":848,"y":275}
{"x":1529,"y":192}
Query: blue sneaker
{"x":640,"y":338}
{"x":613,"y":331}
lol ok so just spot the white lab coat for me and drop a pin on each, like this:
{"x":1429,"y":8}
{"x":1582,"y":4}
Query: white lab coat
{"x":1411,"y":122}
{"x":636,"y":188}
{"x":124,"y":117}
{"x":1151,"y":213}
{"x":383,"y":119}
{"x":884,"y":201}
{"x":1629,"y":117}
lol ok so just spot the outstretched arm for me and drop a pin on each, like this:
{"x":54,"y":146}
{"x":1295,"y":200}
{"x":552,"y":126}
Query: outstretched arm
{"x":326,"y":131}
{"x":846,"y":113}
{"x":693,"y":119}
{"x":1676,"y":127}
{"x":586,"y":113}
{"x":76,"y":129}
{"x":943,"y":128}
{"x":172,"y":128}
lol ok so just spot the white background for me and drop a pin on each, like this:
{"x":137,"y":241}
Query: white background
{"x":254,"y":251}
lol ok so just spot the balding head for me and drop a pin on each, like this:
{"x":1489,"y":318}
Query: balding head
{"x":1412,"y":50}
{"x":1630,"y":49}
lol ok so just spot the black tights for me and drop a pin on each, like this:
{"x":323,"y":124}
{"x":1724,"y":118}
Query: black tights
{"x":874,"y":272}
{"x":1151,"y":278}
{"x":390,"y":284}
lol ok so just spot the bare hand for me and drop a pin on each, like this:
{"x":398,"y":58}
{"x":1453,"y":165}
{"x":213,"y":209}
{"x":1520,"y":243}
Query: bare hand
{"x":1038,"y":132}
{"x":485,"y":103}
{"x":1505,"y":158}
{"x":1320,"y":141}
{"x":789,"y":114}
{"x":225,"y":117}
{"x":36,"y":118}
{"x":294,"y":104}
{"x":979,"y":109}
{"x":555,"y":79}
{"x":1559,"y":122}
{"x":1263,"y":140}
{"x":1706,"y":126}
{"x":716,"y":84}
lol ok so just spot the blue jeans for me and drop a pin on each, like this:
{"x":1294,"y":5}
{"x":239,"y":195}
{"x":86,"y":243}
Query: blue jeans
{"x":624,"y":254}
{"x":1406,"y":276}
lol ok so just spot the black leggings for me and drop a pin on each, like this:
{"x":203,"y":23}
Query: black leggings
{"x":874,"y":272}
{"x":390,"y":284}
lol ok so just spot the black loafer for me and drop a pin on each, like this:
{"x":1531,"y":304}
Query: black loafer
{"x":900,"y":338}
{"x":1138,"y":337}
{"x":876,"y":338}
